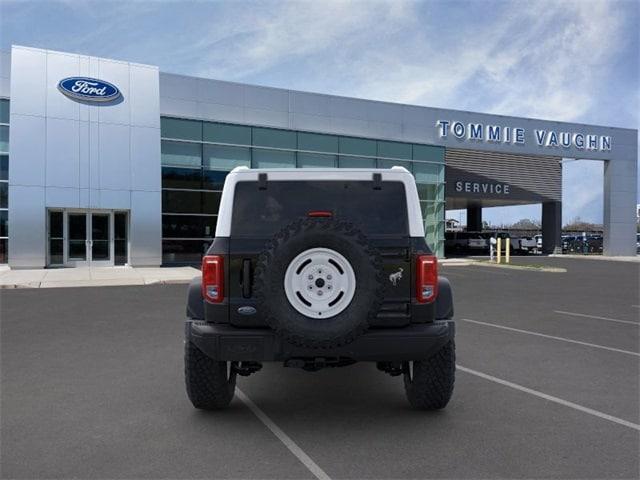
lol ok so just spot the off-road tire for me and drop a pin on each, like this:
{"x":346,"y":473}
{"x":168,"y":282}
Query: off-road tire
{"x":430,"y":385}
{"x":209,"y":386}
{"x":299,"y":236}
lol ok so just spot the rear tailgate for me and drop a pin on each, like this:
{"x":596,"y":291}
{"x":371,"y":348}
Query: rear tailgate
{"x":259,"y":213}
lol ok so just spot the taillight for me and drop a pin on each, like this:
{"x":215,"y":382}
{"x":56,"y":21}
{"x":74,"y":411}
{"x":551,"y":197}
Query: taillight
{"x":320,"y":213}
{"x":213,"y":278}
{"x":426,"y":278}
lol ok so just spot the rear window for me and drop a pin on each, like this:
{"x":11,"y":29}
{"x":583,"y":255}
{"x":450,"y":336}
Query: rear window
{"x":264,"y":212}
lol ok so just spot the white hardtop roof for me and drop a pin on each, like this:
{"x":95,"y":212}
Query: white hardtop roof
{"x":315,"y":171}
{"x":244,"y":174}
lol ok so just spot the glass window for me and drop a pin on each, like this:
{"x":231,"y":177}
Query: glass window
{"x":173,"y":177}
{"x":211,"y":202}
{"x":432,"y":212}
{"x":224,"y":133}
{"x":358,"y":146}
{"x":177,"y":201}
{"x":4,"y":139}
{"x":428,"y":172}
{"x":180,"y":153}
{"x":120,"y":243}
{"x":428,"y":153}
{"x":4,"y":254}
{"x":4,"y":111}
{"x":178,"y":128}
{"x":213,"y":179}
{"x":317,"y":143}
{"x":394,"y":150}
{"x":273,"y":158}
{"x":181,"y":226}
{"x":271,"y":137}
{"x":185,"y":226}
{"x":4,"y":167}
{"x":394,"y":163}
{"x":4,"y":195}
{"x":226,"y":158}
{"x":55,"y":224}
{"x":263,"y":212}
{"x":4,"y":223}
{"x":184,"y":251}
{"x":316,"y":160}
{"x":431,"y":191}
{"x":357,"y":162}
{"x":56,"y":238}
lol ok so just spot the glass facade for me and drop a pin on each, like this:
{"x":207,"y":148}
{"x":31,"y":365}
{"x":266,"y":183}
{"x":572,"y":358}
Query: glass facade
{"x":4,"y":180}
{"x":197,"y":155}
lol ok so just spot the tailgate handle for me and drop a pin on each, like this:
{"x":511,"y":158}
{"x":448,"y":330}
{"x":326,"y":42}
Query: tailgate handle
{"x":246,"y":278}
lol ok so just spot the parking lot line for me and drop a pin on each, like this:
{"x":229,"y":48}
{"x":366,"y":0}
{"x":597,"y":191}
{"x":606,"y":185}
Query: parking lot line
{"x":551,"y":398}
{"x":596,"y":317}
{"x":529,"y":332}
{"x":283,"y":437}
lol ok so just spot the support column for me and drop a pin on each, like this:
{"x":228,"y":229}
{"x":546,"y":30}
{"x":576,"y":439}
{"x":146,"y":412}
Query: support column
{"x":551,"y":227}
{"x":474,"y":218}
{"x":620,"y":192}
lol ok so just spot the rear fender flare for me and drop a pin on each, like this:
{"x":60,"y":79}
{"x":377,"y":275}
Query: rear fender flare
{"x":195,"y":302}
{"x":444,"y":301}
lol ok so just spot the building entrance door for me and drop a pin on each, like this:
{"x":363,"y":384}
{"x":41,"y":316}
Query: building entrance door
{"x":87,"y":238}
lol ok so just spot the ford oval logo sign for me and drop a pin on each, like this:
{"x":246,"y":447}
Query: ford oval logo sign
{"x":89,"y":89}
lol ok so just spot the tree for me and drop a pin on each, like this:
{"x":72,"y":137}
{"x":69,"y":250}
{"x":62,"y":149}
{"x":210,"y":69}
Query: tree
{"x":525,"y":224}
{"x":579,"y":225}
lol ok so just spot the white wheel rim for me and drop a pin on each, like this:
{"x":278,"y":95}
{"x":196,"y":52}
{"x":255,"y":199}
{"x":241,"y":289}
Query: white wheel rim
{"x":319,"y":283}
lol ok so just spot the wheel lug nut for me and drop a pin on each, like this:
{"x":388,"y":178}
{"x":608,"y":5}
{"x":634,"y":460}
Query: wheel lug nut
{"x":310,"y":277}
{"x":329,"y":277}
{"x":320,"y":293}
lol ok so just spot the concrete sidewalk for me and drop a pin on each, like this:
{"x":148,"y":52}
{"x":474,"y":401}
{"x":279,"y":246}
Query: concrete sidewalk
{"x":94,"y":277}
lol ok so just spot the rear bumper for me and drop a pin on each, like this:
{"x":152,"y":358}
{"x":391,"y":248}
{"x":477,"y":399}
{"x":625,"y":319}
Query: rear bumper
{"x":227,"y":343}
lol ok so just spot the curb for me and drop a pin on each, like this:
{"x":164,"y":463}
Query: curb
{"x":98,"y":283}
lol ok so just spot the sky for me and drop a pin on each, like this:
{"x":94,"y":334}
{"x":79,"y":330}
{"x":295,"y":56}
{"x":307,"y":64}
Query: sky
{"x":558,"y":60}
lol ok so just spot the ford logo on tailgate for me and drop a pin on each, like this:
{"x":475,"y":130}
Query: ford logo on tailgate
{"x":89,"y":89}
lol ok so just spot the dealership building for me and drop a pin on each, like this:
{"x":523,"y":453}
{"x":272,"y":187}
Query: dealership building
{"x":107,"y":162}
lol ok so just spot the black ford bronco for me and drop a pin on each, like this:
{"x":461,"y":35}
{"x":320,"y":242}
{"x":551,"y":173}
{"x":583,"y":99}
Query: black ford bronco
{"x":319,"y":268}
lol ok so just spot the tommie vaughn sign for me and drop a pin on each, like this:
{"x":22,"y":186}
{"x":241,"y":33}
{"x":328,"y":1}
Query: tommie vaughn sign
{"x":478,"y":132}
{"x":88,"y":89}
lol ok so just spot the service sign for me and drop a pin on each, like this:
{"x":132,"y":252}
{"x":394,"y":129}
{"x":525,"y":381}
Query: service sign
{"x":88,"y":89}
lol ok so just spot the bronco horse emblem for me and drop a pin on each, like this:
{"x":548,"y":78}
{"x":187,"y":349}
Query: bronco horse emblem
{"x":394,"y":277}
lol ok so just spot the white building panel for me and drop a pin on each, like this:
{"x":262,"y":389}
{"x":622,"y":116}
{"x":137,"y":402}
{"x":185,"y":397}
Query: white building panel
{"x":145,"y":155}
{"x":27,"y":142}
{"x":265,"y":98}
{"x":63,"y":153}
{"x":115,"y":156}
{"x":62,"y":197}
{"x":28,"y":226}
{"x":114,"y":200}
{"x":116,"y":73}
{"x":146,"y":228}
{"x":144,"y":97}
{"x":28,"y":81}
{"x":59,"y":66}
{"x":222,"y":93}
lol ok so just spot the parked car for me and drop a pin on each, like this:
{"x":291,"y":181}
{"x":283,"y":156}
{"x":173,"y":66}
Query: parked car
{"x":457,"y":243}
{"x":314,"y":269}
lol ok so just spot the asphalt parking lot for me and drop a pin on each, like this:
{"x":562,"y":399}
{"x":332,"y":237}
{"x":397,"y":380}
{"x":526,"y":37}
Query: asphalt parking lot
{"x":547,"y":387}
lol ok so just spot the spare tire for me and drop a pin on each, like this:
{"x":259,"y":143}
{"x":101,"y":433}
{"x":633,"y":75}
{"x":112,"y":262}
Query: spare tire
{"x":319,"y":282}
